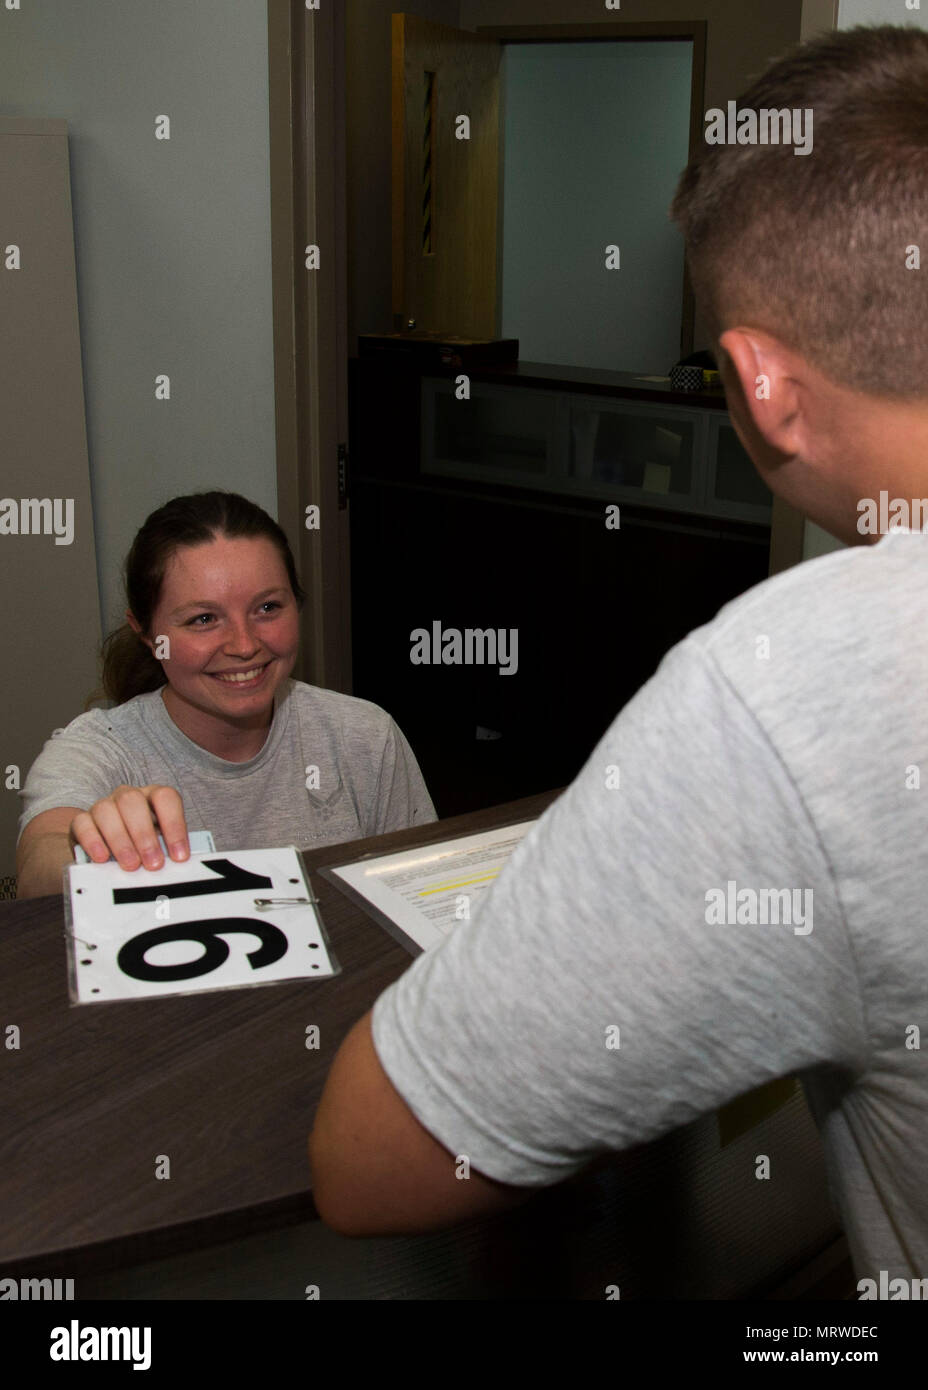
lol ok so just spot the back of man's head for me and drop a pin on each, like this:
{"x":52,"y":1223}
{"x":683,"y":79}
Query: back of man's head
{"x":820,"y":249}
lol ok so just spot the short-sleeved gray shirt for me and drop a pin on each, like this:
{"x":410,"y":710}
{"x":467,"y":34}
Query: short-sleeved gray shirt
{"x":782,"y":746}
{"x":332,"y":768}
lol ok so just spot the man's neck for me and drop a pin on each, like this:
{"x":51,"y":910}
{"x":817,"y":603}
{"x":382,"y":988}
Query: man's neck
{"x":880,"y":446}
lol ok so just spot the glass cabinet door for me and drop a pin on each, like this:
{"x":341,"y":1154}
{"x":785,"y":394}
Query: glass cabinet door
{"x":502,"y":434}
{"x":592,"y":446}
{"x":735,"y":488}
{"x":634,"y":451}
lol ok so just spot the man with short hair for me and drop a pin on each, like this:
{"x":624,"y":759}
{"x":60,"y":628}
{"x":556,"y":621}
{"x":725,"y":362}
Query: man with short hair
{"x":749,"y":901}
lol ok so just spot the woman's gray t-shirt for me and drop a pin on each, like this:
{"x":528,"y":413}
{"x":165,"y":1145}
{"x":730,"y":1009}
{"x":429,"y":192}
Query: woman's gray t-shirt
{"x":333,"y":768}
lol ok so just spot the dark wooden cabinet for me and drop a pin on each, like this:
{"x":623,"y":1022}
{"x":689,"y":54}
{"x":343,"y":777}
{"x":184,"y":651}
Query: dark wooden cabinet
{"x":594,"y":609}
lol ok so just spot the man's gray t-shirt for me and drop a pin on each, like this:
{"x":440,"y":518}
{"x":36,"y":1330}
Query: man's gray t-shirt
{"x":779,"y":747}
{"x":333,"y":768}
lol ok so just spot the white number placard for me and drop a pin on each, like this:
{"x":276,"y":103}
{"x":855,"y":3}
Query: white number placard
{"x":220,"y":920}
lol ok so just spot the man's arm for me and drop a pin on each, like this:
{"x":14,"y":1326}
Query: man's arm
{"x":595,"y":1001}
{"x":375,"y":1169}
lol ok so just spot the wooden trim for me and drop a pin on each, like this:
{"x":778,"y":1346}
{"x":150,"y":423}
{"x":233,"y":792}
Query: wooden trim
{"x":611,"y":30}
{"x":787,"y":534}
{"x":697,"y":125}
{"x":398,"y":166}
{"x":818,"y":16}
{"x":338,"y":669}
{"x":306,"y":69}
{"x":283,"y":253}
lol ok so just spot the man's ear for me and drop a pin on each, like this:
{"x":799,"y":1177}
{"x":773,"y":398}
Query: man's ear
{"x":759,"y":373}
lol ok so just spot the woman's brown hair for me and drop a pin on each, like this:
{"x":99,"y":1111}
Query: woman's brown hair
{"x":129,"y":668}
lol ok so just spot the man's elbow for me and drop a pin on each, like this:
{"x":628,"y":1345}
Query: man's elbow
{"x":352,"y":1206}
{"x":335,"y":1203}
{"x":337,"y":1219}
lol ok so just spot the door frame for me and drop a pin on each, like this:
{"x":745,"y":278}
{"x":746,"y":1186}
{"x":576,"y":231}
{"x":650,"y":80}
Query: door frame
{"x":307,"y":126}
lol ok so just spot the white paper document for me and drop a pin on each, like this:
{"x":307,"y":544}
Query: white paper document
{"x":216,"y":921}
{"x":422,"y":894}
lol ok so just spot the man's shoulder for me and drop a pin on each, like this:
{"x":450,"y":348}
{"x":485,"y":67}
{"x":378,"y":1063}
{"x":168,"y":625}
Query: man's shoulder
{"x":844,"y":606}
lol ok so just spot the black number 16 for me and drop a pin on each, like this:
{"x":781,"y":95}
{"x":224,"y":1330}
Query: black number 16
{"x":232,"y":878}
{"x":131,"y":959}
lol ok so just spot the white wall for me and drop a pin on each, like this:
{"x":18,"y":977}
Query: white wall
{"x":172,"y":242}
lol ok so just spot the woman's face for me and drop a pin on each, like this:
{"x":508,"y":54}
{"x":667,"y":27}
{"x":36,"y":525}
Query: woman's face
{"x":228,"y":610}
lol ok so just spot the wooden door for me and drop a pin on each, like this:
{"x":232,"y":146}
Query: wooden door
{"x":445,"y":179}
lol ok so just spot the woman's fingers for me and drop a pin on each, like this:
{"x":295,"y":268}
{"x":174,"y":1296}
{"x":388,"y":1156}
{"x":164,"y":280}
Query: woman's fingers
{"x":169,"y":811}
{"x":123,"y":824}
{"x":125,"y":821}
{"x":84,"y":831}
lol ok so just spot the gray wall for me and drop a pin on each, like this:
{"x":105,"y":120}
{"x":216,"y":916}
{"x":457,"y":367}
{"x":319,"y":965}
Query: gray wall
{"x":594,"y":138}
{"x":172,"y":243}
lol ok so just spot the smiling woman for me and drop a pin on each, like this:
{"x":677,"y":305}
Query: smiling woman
{"x":206,"y":730}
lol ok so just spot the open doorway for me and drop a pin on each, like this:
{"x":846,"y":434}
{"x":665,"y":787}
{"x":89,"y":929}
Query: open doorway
{"x":485,"y":509}
{"x":521,"y":154}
